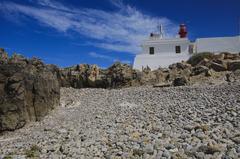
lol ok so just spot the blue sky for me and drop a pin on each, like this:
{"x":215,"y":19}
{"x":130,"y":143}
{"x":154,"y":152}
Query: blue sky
{"x":69,"y":32}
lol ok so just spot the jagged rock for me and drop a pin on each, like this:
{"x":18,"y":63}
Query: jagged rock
{"x":93,"y":75}
{"x":218,"y":67}
{"x":196,"y":59}
{"x":78,"y":76}
{"x":171,"y":75}
{"x":18,"y":60}
{"x":180,"y":65}
{"x":229,"y":56}
{"x":120,"y":75}
{"x":199,"y":70}
{"x":3,"y":56}
{"x":149,"y":77}
{"x":233,"y":65}
{"x":27,"y":92}
{"x":180,"y":81}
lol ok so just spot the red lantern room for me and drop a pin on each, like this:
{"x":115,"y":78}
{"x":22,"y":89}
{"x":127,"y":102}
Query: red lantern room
{"x":182,"y":31}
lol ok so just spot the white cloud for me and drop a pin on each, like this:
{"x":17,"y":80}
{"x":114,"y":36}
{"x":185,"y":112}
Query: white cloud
{"x":126,"y":61}
{"x":96,"y":55}
{"x":122,"y":30}
{"x":109,"y":58}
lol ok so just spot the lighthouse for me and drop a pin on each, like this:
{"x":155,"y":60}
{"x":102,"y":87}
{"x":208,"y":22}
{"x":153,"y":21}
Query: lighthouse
{"x":159,"y":51}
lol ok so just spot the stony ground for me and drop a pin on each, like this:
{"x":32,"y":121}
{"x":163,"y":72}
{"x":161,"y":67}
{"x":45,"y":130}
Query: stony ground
{"x":176,"y":122}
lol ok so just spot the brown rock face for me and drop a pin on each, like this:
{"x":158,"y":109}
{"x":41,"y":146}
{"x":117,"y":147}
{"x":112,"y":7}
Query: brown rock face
{"x":28,"y":91}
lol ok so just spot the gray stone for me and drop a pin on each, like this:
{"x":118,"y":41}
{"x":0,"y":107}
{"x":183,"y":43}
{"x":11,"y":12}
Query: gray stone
{"x":166,"y":154}
{"x":149,"y":149}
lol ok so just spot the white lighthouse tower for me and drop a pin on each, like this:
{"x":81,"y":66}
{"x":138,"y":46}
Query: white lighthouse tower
{"x":158,"y":51}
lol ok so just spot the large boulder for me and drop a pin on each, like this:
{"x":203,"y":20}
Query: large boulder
{"x":180,"y":81}
{"x":28,"y":91}
{"x":148,"y":77}
{"x":218,"y":67}
{"x":233,"y":65}
{"x":120,"y":75}
{"x":197,"y":58}
{"x":179,"y":66}
{"x":197,"y":70}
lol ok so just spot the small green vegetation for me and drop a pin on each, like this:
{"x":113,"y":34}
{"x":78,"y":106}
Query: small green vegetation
{"x":33,"y":152}
{"x":198,"y":57}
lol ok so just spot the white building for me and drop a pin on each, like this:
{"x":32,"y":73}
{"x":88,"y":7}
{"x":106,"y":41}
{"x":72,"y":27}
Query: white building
{"x":219,"y":44}
{"x":161,"y":52}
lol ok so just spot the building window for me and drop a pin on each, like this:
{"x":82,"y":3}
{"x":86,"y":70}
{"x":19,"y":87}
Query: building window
{"x":151,"y":50}
{"x":191,"y":49}
{"x":178,"y":49}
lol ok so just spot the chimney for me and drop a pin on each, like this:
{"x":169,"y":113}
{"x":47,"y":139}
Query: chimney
{"x":182,"y":31}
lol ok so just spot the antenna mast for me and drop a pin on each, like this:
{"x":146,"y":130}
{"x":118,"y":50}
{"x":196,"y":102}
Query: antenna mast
{"x":160,"y":28}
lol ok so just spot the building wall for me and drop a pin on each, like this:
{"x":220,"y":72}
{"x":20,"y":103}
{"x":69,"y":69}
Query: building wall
{"x":165,"y":53}
{"x":219,"y":44}
{"x":166,"y":47}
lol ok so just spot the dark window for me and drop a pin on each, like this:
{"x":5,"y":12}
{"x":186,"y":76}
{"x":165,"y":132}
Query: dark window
{"x":151,"y":50}
{"x":178,"y":49}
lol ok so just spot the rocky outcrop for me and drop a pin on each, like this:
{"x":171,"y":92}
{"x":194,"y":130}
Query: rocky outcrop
{"x":200,"y":68}
{"x":82,"y":76}
{"x":91,"y":76}
{"x":28,"y":91}
{"x":121,"y":75}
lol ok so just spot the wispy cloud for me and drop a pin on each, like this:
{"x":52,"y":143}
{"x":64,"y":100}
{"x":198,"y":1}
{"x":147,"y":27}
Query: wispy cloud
{"x":121,"y":30}
{"x":105,"y":57}
{"x":109,"y":58}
